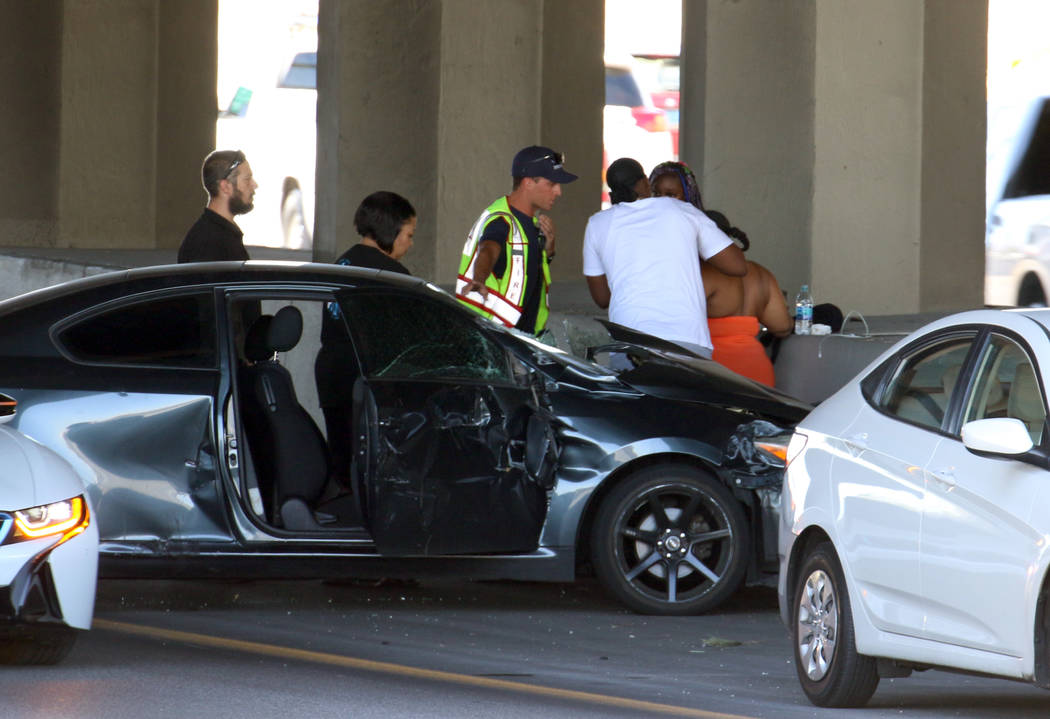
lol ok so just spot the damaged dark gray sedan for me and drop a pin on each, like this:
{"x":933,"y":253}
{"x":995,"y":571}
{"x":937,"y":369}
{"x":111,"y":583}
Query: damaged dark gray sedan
{"x":187,"y":399}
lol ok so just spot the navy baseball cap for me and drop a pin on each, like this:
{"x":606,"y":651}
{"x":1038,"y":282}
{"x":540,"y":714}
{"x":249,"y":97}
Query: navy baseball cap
{"x":538,"y":161}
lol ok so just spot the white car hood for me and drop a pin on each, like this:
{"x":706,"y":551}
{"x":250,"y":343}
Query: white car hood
{"x":32,"y":474}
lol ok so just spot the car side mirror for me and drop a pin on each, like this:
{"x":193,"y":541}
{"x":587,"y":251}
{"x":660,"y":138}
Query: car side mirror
{"x":1002,"y":437}
{"x":8,"y":407}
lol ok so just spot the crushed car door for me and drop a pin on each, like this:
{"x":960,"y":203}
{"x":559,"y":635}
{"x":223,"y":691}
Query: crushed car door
{"x":452,"y":449}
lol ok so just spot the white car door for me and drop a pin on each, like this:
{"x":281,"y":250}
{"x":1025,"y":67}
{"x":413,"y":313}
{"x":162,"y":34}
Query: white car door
{"x":980,"y":540}
{"x":880,"y":484}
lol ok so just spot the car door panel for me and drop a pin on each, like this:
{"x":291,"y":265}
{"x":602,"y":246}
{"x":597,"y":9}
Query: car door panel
{"x":880,"y":489}
{"x":146,"y":493}
{"x":979,"y":548}
{"x":982,"y":541}
{"x":449,"y":475}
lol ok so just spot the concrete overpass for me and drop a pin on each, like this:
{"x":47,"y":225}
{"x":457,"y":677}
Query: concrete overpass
{"x":846,"y":136}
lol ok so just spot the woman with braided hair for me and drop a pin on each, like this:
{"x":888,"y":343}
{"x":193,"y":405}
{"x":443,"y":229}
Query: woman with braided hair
{"x":737,"y":307}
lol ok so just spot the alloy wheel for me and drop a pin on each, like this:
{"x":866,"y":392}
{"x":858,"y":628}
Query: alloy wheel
{"x":817,"y":630}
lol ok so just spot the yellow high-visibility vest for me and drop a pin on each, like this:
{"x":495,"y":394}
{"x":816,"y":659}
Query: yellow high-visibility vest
{"x":506,"y":294}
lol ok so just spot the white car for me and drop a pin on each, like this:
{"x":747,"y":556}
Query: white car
{"x":48,"y":550}
{"x":1017,"y":243}
{"x":915,"y":514}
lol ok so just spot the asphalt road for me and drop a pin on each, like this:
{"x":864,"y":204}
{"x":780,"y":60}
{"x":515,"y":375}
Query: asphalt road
{"x":446,"y":649}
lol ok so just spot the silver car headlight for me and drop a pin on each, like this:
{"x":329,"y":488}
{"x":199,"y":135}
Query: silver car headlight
{"x":67,"y":519}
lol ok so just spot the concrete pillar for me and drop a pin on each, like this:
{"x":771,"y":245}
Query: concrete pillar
{"x":847,"y":138}
{"x":187,"y":42}
{"x":435,"y":105}
{"x":113,"y":111}
{"x":869,"y":155}
{"x":30,"y":85}
{"x":955,"y":125}
{"x":746,"y":125}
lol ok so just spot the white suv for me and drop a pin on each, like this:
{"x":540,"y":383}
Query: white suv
{"x":1017,"y":243}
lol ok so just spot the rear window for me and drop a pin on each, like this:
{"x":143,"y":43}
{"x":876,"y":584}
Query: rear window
{"x":165,"y":332}
{"x":621,"y":88}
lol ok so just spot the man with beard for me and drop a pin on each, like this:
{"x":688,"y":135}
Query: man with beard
{"x":227,"y":177}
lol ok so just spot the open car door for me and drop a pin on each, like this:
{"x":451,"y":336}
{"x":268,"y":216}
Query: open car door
{"x":453,"y":453}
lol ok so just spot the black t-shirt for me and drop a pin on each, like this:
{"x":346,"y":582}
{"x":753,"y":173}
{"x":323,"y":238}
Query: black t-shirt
{"x":360,"y":255}
{"x":213,"y":238}
{"x":499,"y":231}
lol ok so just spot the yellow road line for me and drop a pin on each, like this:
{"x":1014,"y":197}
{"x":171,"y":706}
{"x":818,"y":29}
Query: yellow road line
{"x":402,"y":670}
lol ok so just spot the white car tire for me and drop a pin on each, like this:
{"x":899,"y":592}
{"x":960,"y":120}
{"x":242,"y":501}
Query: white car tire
{"x":829,"y":668}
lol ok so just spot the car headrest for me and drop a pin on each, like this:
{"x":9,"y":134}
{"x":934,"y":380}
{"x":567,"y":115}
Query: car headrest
{"x":1025,"y":403}
{"x":256,"y":344}
{"x":286,"y":329}
{"x":949,"y":378}
{"x":994,"y":393}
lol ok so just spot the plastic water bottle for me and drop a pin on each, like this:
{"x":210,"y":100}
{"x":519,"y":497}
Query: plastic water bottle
{"x":803,"y":311}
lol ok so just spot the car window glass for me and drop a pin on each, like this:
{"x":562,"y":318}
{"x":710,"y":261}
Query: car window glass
{"x":922,"y":385}
{"x":621,"y":88}
{"x":302,"y":73}
{"x":409,"y":337}
{"x":1006,"y":386}
{"x":168,"y":331}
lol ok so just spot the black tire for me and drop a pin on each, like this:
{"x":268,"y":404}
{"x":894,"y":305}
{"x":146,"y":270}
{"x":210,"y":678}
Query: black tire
{"x":829,"y":668}
{"x":670,"y":540}
{"x":293,"y":221}
{"x":38,"y":644}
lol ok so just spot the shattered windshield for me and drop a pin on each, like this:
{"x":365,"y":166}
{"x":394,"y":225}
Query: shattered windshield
{"x":548,"y":349}
{"x":409,"y":337}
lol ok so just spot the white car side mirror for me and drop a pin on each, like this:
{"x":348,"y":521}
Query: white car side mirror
{"x":1001,"y":435}
{"x":8,"y":406}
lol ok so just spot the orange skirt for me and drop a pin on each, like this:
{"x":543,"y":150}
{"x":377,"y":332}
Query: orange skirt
{"x":736,"y":344}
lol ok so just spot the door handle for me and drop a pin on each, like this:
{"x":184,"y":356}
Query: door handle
{"x":857,"y":441}
{"x":945,"y":477}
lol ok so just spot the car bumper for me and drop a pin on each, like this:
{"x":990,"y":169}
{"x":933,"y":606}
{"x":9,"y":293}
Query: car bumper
{"x":45,"y":583}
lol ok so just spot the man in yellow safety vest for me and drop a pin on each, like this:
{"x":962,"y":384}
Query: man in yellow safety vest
{"x":504,"y":272}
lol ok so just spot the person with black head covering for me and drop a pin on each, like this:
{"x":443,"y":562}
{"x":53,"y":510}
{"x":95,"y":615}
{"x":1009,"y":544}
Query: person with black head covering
{"x":641,"y":259}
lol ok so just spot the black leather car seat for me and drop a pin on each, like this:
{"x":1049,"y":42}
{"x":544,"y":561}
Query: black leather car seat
{"x":288,"y":449}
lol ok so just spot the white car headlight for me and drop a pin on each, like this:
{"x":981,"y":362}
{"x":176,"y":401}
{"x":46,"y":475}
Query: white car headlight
{"x":68,"y":517}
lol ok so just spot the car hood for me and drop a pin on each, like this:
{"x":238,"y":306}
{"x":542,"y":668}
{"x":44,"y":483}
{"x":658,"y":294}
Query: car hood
{"x":669,"y":371}
{"x":32,"y":474}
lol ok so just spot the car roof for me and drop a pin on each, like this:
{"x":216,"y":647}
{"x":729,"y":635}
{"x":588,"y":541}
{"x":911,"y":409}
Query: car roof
{"x":206,"y":273}
{"x":988,"y":316}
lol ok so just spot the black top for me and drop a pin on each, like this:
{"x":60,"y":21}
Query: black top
{"x":213,"y":238}
{"x":360,"y":255}
{"x":499,"y":231}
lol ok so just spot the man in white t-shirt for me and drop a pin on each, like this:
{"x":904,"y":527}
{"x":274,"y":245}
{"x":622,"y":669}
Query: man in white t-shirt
{"x":641,"y":258}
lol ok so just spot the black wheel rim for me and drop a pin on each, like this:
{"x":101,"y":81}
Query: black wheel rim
{"x":674,"y":543}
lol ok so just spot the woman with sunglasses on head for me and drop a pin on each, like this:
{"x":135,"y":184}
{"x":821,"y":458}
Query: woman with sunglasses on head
{"x":737,"y":307}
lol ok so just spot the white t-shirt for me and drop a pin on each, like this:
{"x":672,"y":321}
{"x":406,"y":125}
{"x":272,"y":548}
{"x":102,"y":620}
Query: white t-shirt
{"x":649,"y":252}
